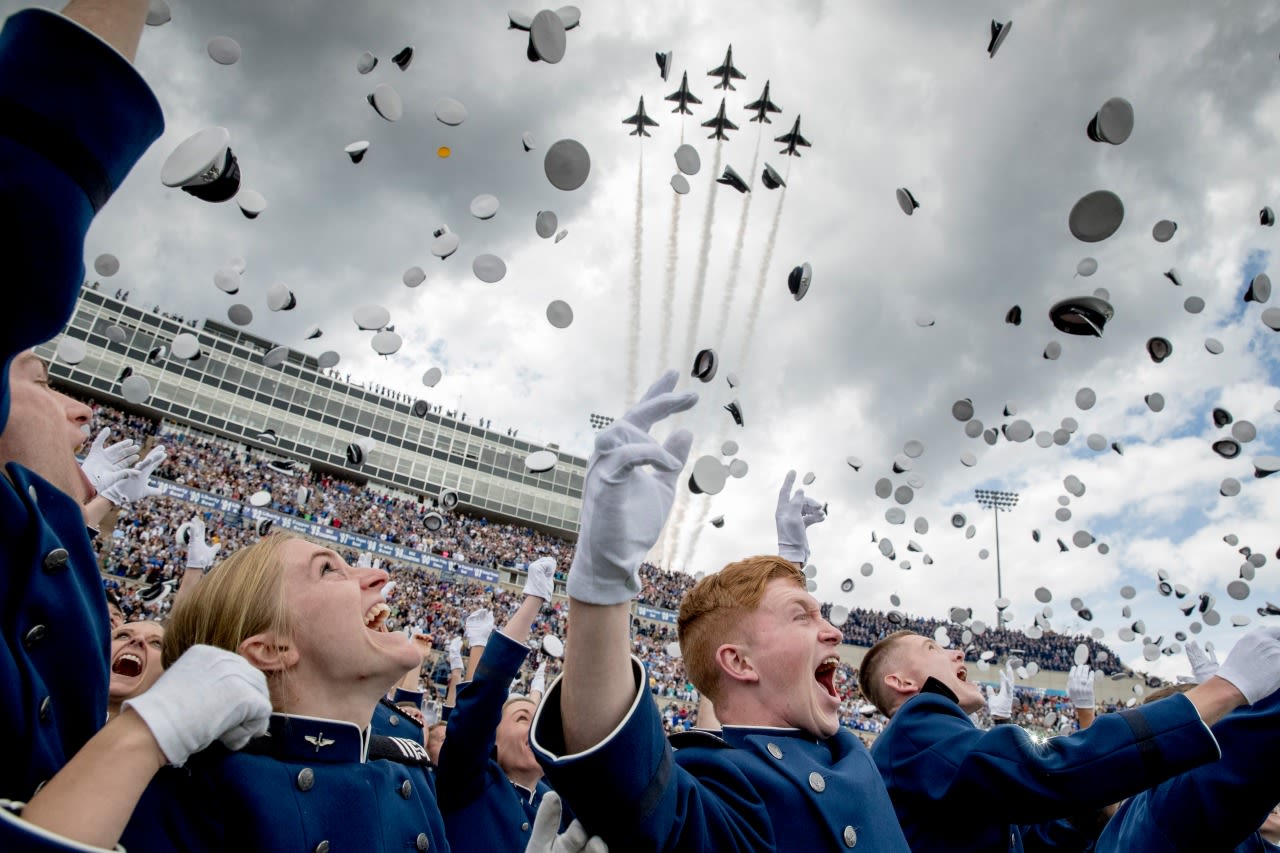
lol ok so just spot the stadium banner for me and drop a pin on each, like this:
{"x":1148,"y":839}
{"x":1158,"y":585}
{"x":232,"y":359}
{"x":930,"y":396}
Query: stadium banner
{"x":655,"y":614}
{"x":325,"y":533}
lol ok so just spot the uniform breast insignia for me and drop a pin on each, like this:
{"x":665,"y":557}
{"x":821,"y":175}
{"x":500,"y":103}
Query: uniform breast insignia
{"x":398,"y":749}
{"x":319,"y":741}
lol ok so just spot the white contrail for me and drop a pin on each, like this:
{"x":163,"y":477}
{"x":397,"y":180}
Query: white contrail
{"x":735,"y":262}
{"x":754,"y":313}
{"x":633,"y":330}
{"x":704,"y":257}
{"x":669,"y":292}
{"x":691,"y":547}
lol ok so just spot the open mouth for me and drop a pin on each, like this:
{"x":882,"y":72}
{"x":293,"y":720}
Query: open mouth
{"x":128,"y":665}
{"x":826,"y":674}
{"x":375,"y":618}
{"x":962,"y":674}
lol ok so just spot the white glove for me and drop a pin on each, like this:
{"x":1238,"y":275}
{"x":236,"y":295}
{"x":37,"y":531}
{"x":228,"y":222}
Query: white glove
{"x":364,"y":560}
{"x":454,"y":651}
{"x":1254,"y":664}
{"x":624,"y":504}
{"x":793,"y":517}
{"x":1204,"y":664}
{"x":101,"y":462}
{"x":136,"y":486}
{"x":541,"y":579}
{"x":200,"y":554}
{"x":1080,"y":686}
{"x":479,"y":626}
{"x":543,"y":839}
{"x":1000,"y":702}
{"x":208,"y":694}
{"x":538,"y":684}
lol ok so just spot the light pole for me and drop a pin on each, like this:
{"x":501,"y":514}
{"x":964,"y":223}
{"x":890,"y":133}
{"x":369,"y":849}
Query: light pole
{"x":1000,"y":502}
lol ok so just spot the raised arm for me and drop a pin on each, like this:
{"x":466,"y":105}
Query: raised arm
{"x":629,"y":489}
{"x":117,"y":22}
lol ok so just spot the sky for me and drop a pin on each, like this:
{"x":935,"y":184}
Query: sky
{"x":891,"y":95}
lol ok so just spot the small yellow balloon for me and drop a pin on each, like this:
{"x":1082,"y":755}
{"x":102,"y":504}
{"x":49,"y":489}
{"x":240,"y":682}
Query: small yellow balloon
{"x":444,"y":151}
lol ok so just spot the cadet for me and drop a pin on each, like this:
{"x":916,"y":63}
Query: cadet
{"x":956,"y":787}
{"x":784,"y":775}
{"x":77,"y":117}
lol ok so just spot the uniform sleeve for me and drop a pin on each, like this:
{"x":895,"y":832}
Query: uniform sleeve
{"x":17,"y":834}
{"x":74,"y":118}
{"x":940,"y":757}
{"x":1227,"y":800}
{"x":473,"y":726}
{"x":630,"y":791}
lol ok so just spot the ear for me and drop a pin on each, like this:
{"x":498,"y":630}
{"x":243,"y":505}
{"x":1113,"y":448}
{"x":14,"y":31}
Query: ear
{"x":735,"y":663}
{"x":901,"y":685}
{"x":267,"y":652}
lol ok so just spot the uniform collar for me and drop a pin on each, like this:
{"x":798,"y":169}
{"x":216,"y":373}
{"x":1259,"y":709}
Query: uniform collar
{"x":735,"y":735}
{"x":293,"y":737}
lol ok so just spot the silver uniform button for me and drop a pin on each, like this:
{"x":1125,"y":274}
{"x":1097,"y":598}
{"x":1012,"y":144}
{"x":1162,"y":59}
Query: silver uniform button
{"x":422,"y":842}
{"x":850,"y":837}
{"x":406,"y":789}
{"x":395,"y":721}
{"x":56,"y":560}
{"x":31,"y":491}
{"x":816,"y":782}
{"x":322,"y":847}
{"x":775,"y":750}
{"x":306,"y":778}
{"x":46,"y":709}
{"x":524,"y":827}
{"x":34,"y":636}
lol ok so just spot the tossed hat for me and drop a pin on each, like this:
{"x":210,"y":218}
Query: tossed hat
{"x":907,"y":201}
{"x":1081,"y":315}
{"x":687,"y":159}
{"x":771,"y":179}
{"x":1096,"y":216}
{"x":1112,"y":123}
{"x":999,"y":32}
{"x":204,"y":166}
{"x":567,"y":164}
{"x":366,"y":62}
{"x":540,"y":461}
{"x":734,"y":409}
{"x":559,"y":314}
{"x":799,"y":279}
{"x":1163,"y":231}
{"x":705,"y":364}
{"x":708,"y":476}
{"x":386,"y":102}
{"x":1266,"y":217}
{"x":1259,"y":289}
{"x":223,"y":50}
{"x":403,"y":58}
{"x":664,"y":62}
{"x":1159,"y":349}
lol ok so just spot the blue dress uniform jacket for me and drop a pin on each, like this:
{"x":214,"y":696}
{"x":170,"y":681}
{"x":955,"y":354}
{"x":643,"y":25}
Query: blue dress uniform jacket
{"x":956,"y":787}
{"x":1214,"y":807}
{"x":483,"y":809}
{"x":310,"y":785}
{"x":389,"y":721}
{"x":753,"y":789}
{"x":74,"y":118}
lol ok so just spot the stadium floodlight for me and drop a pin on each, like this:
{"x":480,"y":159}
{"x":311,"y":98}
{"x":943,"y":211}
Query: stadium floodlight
{"x":1000,"y":502}
{"x":599,"y":422}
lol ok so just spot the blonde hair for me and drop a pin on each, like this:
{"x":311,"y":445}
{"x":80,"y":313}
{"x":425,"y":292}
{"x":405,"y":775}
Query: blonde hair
{"x":240,"y":597}
{"x":715,"y":605}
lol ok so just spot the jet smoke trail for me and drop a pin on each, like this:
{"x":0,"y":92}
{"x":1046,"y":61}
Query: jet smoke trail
{"x":669,"y":292}
{"x":754,"y":313}
{"x":735,"y":263}
{"x":633,"y":331}
{"x":704,"y":257}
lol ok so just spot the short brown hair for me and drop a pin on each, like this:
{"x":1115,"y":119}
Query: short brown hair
{"x":715,"y":604}
{"x":872,"y":669}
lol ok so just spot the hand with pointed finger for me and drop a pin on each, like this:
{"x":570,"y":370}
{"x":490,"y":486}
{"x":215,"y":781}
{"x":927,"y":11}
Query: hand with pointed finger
{"x":793,"y":517}
{"x":630,"y":486}
{"x":137,"y":485}
{"x":1000,"y":703}
{"x":543,"y":838}
{"x":102,"y":461}
{"x":200,"y":554}
{"x":538,"y":684}
{"x":1204,"y":664}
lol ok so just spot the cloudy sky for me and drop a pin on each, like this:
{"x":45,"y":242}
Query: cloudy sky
{"x":892,"y":95}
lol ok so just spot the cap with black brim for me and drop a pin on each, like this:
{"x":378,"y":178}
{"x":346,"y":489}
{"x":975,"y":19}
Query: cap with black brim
{"x":386,"y":102}
{"x":204,"y":166}
{"x":403,"y":58}
{"x":798,"y":281}
{"x":708,"y":476}
{"x":907,"y":201}
{"x":705,"y":364}
{"x":1112,"y":123}
{"x":1081,"y":315}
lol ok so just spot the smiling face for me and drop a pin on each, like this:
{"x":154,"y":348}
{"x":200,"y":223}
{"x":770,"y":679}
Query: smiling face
{"x":45,"y":428}
{"x":135,"y":659}
{"x":338,"y":618}
{"x":915,"y":659}
{"x":788,"y":660}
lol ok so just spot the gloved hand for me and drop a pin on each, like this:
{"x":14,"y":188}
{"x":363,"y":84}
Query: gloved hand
{"x":543,"y":839}
{"x":1000,"y":702}
{"x":1080,"y":686}
{"x":1204,"y":664}
{"x":200,"y":554}
{"x":208,"y":694}
{"x":102,"y":462}
{"x":538,"y":684}
{"x":136,"y":486}
{"x":479,"y":626}
{"x":1254,"y":664}
{"x":624,"y":503}
{"x":364,"y":560}
{"x":541,"y":579}
{"x":454,"y":651}
{"x":793,"y":517}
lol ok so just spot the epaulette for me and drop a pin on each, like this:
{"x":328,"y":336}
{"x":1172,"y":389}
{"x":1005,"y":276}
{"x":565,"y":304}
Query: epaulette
{"x":398,"y":749}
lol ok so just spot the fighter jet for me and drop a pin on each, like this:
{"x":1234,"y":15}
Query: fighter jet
{"x":731,"y":178}
{"x":721,"y":124}
{"x":683,"y":97}
{"x":792,"y":139}
{"x":641,"y":121}
{"x":727,"y":72}
{"x":763,"y":106}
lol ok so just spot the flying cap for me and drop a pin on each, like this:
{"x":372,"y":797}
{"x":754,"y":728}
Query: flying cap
{"x":227,"y":280}
{"x":1159,"y":349}
{"x":413,"y":277}
{"x":484,"y":206}
{"x":1172,"y":275}
{"x":527,"y":141}
{"x":559,"y":314}
{"x":1085,"y":398}
{"x":185,"y":345}
{"x":386,"y":342}
{"x":1086,"y":267}
{"x":1193,"y":304}
{"x":664,"y":62}
{"x":734,"y":409}
{"x":771,"y":179}
{"x":545,"y":223}
{"x":1096,"y":216}
{"x":1271,"y":319}
{"x":106,"y":265}
{"x":731,"y":178}
{"x":280,"y":298}
{"x":275,"y":356}
{"x":1221,"y":417}
{"x":680,"y":184}
{"x":371,"y":318}
{"x":1113,"y":123}
{"x":1227,"y":448}
{"x":114,"y":334}
{"x":433,"y":521}
{"x":450,"y":112}
{"x":403,"y":58}
{"x":1081,"y":315}
{"x":204,"y":166}
{"x":1259,"y":288}
{"x":386,"y":102}
{"x":717,"y":522}
{"x":158,"y":13}
{"x":798,"y":281}
{"x":1163,"y":231}
{"x":432,"y":377}
{"x":687,"y":159}
{"x":240,"y":315}
{"x":327,"y":359}
{"x":704,"y":365}
{"x":907,"y":201}
{"x":540,"y":461}
{"x":547,"y":37}
{"x":708,"y":476}
{"x":1014,"y":316}
{"x":1213,"y":345}
{"x":490,"y":269}
{"x":999,"y":32}
{"x":567,"y":164}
